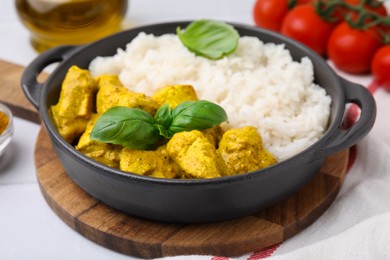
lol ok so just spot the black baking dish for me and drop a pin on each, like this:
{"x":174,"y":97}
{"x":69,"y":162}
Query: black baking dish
{"x":193,"y":201}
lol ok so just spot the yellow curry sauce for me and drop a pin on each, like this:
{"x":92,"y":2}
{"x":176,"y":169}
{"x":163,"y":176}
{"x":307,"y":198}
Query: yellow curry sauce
{"x":4,"y":120}
{"x":193,"y":154}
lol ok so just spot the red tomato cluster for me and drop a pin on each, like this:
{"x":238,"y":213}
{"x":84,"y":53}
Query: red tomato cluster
{"x":353,"y":50}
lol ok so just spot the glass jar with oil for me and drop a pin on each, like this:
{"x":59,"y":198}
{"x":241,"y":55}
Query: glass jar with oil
{"x":58,"y":22}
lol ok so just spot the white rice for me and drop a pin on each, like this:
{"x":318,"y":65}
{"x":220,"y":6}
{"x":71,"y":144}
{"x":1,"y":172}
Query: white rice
{"x":258,"y":85}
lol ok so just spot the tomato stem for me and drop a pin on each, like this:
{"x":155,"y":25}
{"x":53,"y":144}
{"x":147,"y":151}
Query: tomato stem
{"x":358,"y":16}
{"x":292,"y":4}
{"x":327,"y":8}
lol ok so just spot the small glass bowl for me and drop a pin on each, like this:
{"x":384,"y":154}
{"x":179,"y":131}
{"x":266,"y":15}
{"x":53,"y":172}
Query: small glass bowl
{"x":6,"y":135}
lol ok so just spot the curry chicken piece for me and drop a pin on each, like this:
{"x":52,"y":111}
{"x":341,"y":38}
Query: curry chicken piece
{"x":74,"y":108}
{"x":174,"y":95}
{"x":112,"y":93}
{"x":196,"y":155}
{"x":155,"y":163}
{"x":213,"y":134}
{"x":105,"y":153}
{"x":243,"y":151}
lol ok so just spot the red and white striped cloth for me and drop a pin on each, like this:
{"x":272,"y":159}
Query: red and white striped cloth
{"x":357,"y":224}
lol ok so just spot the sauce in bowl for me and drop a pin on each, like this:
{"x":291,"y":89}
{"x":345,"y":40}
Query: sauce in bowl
{"x":4,"y":121}
{"x":6,"y":127}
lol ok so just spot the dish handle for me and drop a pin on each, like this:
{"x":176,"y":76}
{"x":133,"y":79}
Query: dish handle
{"x":29,"y":82}
{"x":345,"y":138}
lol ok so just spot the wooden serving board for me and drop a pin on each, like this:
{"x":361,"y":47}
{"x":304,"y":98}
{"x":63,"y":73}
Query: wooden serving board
{"x":149,"y":239}
{"x":11,"y":93}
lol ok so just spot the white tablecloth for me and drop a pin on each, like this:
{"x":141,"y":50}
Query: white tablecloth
{"x":356,"y":226}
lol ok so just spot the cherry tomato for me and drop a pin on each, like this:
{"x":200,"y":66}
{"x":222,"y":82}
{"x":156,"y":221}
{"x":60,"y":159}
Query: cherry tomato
{"x":304,"y":25}
{"x":269,"y":14}
{"x":352,"y":50}
{"x":380,"y":67}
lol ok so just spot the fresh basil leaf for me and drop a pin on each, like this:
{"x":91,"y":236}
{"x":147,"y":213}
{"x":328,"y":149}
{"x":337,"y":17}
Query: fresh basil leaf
{"x":163,"y":119}
{"x":163,"y":131}
{"x":199,"y":115}
{"x":164,"y":115}
{"x":209,"y":38}
{"x":130,"y":127}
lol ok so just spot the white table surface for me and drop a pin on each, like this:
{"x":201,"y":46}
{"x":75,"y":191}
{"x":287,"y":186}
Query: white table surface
{"x":29,"y":229}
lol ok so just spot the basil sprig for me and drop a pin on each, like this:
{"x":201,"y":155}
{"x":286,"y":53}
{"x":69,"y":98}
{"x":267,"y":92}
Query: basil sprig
{"x":210,"y":39}
{"x":137,"y":129}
